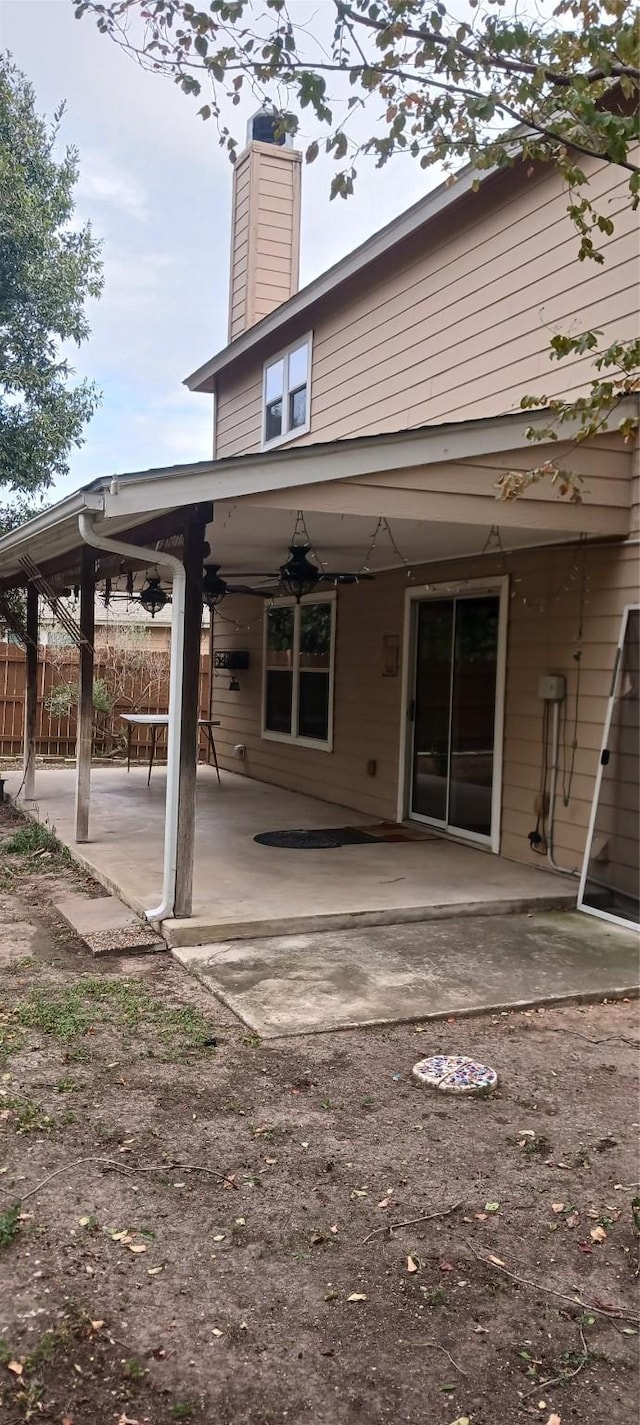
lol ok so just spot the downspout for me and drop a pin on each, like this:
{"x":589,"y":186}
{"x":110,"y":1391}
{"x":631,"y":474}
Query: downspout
{"x":174,"y":567}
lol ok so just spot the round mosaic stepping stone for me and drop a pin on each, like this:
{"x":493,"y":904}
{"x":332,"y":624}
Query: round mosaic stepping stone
{"x":454,"y":1073}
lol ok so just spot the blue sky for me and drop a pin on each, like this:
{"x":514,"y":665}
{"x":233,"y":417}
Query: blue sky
{"x":157,"y":189}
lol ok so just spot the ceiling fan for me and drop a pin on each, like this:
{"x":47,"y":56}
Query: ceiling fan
{"x":297,"y":576}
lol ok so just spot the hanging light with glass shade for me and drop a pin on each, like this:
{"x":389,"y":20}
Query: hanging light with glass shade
{"x":152,"y":596}
{"x":213,"y":587}
{"x":299,"y":576}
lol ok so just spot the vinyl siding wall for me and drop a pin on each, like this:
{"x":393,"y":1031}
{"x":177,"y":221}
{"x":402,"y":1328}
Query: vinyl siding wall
{"x":554,"y":593}
{"x":457,"y":324}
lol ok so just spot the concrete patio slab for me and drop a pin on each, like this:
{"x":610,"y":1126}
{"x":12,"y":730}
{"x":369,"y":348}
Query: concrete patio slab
{"x":108,"y":926}
{"x":243,"y":890}
{"x":302,"y":984}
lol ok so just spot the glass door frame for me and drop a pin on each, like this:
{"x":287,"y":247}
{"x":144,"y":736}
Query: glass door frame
{"x":613,"y":688}
{"x":470,"y":588}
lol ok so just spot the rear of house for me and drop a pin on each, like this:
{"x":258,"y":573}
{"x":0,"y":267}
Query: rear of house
{"x":468,"y":684}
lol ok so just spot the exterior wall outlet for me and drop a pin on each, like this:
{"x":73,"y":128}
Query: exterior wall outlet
{"x":552,"y":688}
{"x":372,"y":767}
{"x":240,"y":751}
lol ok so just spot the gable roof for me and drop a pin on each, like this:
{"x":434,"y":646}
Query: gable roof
{"x":431,"y":206}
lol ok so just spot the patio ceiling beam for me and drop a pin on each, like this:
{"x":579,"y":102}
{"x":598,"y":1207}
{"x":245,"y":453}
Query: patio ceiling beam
{"x":396,"y":502}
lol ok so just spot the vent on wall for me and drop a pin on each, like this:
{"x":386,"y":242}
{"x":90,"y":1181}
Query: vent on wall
{"x":263,"y":127}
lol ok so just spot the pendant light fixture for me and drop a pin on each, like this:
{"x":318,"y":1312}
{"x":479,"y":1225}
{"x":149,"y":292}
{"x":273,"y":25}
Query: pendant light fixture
{"x":153,"y":597}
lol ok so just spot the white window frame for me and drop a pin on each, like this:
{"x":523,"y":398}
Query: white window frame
{"x":293,"y":737}
{"x":293,"y":433}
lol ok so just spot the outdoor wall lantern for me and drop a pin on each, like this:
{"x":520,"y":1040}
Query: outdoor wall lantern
{"x":153,"y":597}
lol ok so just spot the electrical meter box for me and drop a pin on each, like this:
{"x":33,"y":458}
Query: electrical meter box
{"x":552,"y":688}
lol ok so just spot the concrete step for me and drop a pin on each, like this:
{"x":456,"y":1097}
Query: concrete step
{"x":108,"y":926}
{"x":205,"y":930}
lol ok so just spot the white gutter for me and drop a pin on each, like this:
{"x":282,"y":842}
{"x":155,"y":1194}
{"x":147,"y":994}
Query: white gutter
{"x":175,"y":567}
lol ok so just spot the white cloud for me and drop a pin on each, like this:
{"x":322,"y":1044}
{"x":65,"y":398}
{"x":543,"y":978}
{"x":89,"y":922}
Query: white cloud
{"x":103,"y":181}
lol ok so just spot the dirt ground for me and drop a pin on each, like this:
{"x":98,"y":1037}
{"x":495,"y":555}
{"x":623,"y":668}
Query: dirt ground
{"x":197,"y":1226}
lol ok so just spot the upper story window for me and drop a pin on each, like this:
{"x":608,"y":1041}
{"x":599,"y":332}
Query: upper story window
{"x":287,"y":394}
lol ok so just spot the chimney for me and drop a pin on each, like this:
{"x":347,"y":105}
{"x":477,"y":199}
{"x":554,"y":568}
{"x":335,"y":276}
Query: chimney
{"x":265,"y":224}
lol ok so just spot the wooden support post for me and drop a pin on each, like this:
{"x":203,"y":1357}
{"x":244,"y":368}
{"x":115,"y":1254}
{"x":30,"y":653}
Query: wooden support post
{"x":210,"y":689}
{"x":30,"y":695}
{"x":194,"y":531}
{"x":84,"y":735}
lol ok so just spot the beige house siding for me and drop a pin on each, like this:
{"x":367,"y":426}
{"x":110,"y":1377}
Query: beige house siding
{"x":265,"y":226}
{"x":459,"y":326}
{"x":554,"y":593}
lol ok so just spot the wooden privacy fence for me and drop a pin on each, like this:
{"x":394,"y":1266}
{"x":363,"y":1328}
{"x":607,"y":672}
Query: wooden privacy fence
{"x":56,"y":736}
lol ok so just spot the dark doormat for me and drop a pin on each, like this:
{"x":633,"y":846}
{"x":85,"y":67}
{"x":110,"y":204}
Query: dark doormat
{"x":313,"y":840}
{"x":330,"y":838}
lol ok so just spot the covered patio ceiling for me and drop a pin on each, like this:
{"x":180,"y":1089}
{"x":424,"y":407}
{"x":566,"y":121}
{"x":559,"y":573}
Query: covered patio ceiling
{"x":438,"y":483}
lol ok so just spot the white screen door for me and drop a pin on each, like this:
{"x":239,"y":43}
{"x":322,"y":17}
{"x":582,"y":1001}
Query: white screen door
{"x":610,"y":881}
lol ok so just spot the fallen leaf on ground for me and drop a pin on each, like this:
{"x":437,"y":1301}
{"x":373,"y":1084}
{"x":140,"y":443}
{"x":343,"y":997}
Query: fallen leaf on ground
{"x":15,"y":1367}
{"x":136,"y":1247}
{"x":492,"y":1207}
{"x":572,"y":1220}
{"x":153,"y":1271}
{"x":220,"y":1236}
{"x":445,"y":1266}
{"x":357,"y":1296}
{"x":412,"y":1265}
{"x":461,"y":1420}
{"x":95,"y":1325}
{"x":557,"y":1207}
{"x":554,"y":1420}
{"x":216,"y":1332}
{"x":385,"y":1202}
{"x":497,"y":1261}
{"x":598,"y":1234}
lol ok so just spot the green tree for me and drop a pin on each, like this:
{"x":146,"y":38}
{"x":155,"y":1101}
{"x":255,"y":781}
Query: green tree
{"x":417,"y":77}
{"x":48,"y":269}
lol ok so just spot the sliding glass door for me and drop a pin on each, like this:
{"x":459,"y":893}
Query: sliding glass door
{"x":453,"y":712}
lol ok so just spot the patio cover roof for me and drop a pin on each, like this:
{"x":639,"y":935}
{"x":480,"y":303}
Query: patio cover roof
{"x":129,"y":500}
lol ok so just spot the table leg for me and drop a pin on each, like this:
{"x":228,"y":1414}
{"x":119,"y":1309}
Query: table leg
{"x":213,"y":749}
{"x":154,"y":731}
{"x":129,"y":736}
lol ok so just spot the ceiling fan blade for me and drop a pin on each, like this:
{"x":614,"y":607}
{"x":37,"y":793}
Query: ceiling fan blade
{"x":252,"y":574}
{"x":341,"y":578}
{"x":246,"y":589}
